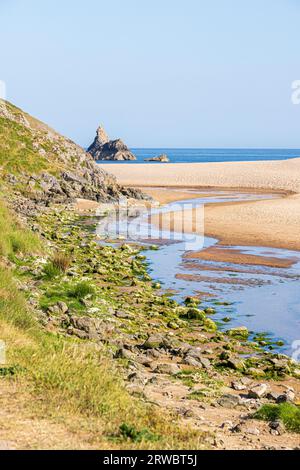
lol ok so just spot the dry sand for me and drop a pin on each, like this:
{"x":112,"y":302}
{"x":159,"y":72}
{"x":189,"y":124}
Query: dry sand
{"x":273,"y":223}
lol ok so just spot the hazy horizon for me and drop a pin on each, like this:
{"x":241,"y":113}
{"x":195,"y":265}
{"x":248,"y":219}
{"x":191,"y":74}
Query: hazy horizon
{"x":199,"y":75}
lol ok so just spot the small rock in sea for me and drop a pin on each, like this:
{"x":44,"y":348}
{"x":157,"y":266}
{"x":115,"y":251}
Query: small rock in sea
{"x":239,"y":332}
{"x":160,"y":158}
{"x":229,"y":401}
{"x":258,"y":391}
{"x":210,"y":311}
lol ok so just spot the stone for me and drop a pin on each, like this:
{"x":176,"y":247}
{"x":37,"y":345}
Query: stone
{"x":192,"y":301}
{"x":210,"y":311}
{"x":229,"y":401}
{"x":277,"y":428}
{"x":205,"y":362}
{"x":194,"y":352}
{"x":258,"y":391}
{"x":122,"y":315}
{"x":254,"y":372}
{"x":167,"y":368}
{"x":238,"y":386}
{"x":155,"y":341}
{"x":287,"y":397}
{"x":235,"y":363}
{"x":210,"y":325}
{"x":123,"y":353}
{"x":273,"y":396}
{"x":191,"y":361}
{"x":62,"y":307}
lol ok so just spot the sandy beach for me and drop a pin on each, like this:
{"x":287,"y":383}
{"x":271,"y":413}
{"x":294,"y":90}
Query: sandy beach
{"x":274,"y":222}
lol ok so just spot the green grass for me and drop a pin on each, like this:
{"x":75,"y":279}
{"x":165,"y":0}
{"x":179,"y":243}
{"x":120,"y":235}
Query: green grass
{"x":81,"y":290}
{"x":14,"y":239}
{"x":288,"y":413}
{"x":17,"y":152}
{"x":51,"y":271}
{"x":69,"y":377}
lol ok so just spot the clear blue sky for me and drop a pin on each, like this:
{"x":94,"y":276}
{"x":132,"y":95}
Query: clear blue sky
{"x":173,"y":73}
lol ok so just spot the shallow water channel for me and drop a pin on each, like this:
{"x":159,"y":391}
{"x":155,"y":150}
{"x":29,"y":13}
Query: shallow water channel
{"x":264,"y":299}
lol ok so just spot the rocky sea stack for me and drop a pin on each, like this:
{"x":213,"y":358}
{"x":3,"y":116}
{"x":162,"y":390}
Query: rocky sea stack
{"x":104,"y":149}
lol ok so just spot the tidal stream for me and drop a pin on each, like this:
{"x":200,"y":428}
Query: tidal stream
{"x":262,"y":298}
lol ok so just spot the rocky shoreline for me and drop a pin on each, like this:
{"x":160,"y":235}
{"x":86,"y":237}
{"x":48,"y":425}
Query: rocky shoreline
{"x":169,"y":354}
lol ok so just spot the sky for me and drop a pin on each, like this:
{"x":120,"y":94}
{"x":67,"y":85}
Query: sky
{"x":165,"y":73}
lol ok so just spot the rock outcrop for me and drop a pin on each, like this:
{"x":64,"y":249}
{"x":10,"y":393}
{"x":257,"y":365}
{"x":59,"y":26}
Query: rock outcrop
{"x":104,"y":149}
{"x":160,"y":158}
{"x":50,"y":168}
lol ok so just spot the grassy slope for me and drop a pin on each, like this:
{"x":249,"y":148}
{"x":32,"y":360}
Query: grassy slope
{"x":71,"y":378}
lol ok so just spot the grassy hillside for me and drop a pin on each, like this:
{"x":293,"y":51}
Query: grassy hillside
{"x":67,"y":378}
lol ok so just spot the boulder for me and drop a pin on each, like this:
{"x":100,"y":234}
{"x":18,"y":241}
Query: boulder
{"x":229,"y":401}
{"x":258,"y":391}
{"x":155,"y":341}
{"x":287,"y":397}
{"x":240,"y":332}
{"x":167,"y":368}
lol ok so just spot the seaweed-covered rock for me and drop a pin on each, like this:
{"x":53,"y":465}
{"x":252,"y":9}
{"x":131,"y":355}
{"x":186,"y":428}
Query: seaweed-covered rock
{"x":240,"y":332}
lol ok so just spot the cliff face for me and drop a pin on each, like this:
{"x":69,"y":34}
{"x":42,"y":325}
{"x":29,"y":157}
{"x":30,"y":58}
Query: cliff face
{"x":104,"y":149}
{"x":41,"y":165}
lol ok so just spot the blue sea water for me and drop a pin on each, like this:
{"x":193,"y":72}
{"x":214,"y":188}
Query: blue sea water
{"x":212,"y":155}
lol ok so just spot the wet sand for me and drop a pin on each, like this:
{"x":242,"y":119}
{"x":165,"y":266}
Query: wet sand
{"x":223,"y":255}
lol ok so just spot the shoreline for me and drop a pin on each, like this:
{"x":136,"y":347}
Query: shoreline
{"x":268,"y":223}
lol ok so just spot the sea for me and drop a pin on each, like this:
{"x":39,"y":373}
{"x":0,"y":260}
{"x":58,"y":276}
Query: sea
{"x":193,"y":155}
